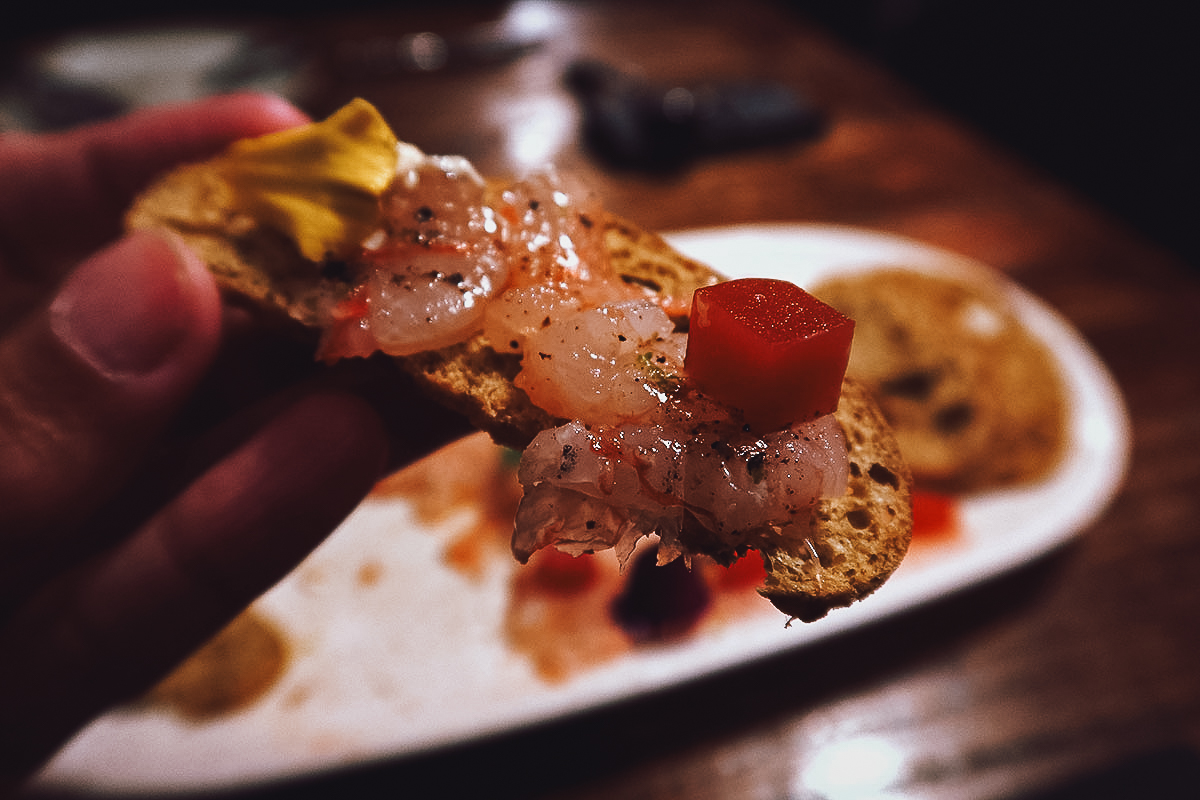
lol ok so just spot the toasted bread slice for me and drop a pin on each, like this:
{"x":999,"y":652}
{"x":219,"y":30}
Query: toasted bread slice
{"x":855,"y":541}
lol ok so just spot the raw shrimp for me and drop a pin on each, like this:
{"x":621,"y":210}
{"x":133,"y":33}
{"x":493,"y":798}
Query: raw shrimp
{"x":606,"y":364}
{"x":430,"y":270}
{"x":454,"y":257}
{"x":589,"y":488}
{"x":558,"y":258}
{"x":554,"y":234}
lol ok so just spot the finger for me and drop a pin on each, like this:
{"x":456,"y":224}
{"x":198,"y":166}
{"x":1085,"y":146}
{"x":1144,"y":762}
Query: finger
{"x":87,"y":383}
{"x":107,"y":632}
{"x":64,"y":194}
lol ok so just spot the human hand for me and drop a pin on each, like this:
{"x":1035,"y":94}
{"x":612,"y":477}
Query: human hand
{"x":160,"y":465}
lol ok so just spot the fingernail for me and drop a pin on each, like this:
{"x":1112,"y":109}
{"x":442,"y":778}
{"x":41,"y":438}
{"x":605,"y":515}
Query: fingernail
{"x":127,"y":309}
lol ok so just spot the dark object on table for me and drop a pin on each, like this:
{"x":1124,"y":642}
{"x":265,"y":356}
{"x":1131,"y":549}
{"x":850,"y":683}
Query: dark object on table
{"x":662,"y":128}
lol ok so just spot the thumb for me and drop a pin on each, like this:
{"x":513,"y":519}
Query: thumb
{"x":89,"y":381}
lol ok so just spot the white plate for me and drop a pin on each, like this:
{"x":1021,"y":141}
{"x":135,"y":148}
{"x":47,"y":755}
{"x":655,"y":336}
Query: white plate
{"x":418,"y":658}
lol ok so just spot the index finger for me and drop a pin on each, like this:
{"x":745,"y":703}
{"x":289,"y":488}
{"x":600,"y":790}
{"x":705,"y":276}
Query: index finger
{"x":64,"y":194}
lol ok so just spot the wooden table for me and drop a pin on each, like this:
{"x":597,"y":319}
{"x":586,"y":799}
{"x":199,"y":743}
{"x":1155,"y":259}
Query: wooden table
{"x":1084,"y":662}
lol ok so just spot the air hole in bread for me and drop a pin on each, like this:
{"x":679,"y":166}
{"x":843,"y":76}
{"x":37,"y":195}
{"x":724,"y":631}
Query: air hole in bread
{"x":884,"y":476}
{"x":859,"y":518}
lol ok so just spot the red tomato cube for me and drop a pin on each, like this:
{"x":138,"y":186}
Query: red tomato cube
{"x":768,"y":348}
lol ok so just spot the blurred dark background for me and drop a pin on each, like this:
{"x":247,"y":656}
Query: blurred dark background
{"x":1104,"y":96}
{"x":1100,"y":95}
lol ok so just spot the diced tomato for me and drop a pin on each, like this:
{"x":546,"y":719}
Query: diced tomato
{"x":768,"y":348}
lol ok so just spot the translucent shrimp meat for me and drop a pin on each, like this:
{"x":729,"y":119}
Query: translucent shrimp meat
{"x":592,"y":488}
{"x":606,"y":364}
{"x":430,"y":270}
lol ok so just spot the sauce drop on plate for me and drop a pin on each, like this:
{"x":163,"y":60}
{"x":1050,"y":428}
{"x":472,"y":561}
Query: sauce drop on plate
{"x":233,"y":670}
{"x":660,"y":602}
{"x":935,"y":517}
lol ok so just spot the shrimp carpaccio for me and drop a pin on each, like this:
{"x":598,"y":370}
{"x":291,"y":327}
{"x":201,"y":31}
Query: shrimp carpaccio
{"x":589,"y":488}
{"x":454,"y":257}
{"x":645,"y":452}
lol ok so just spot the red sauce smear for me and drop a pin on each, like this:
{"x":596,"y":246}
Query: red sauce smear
{"x":935,"y":517}
{"x":748,"y":572}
